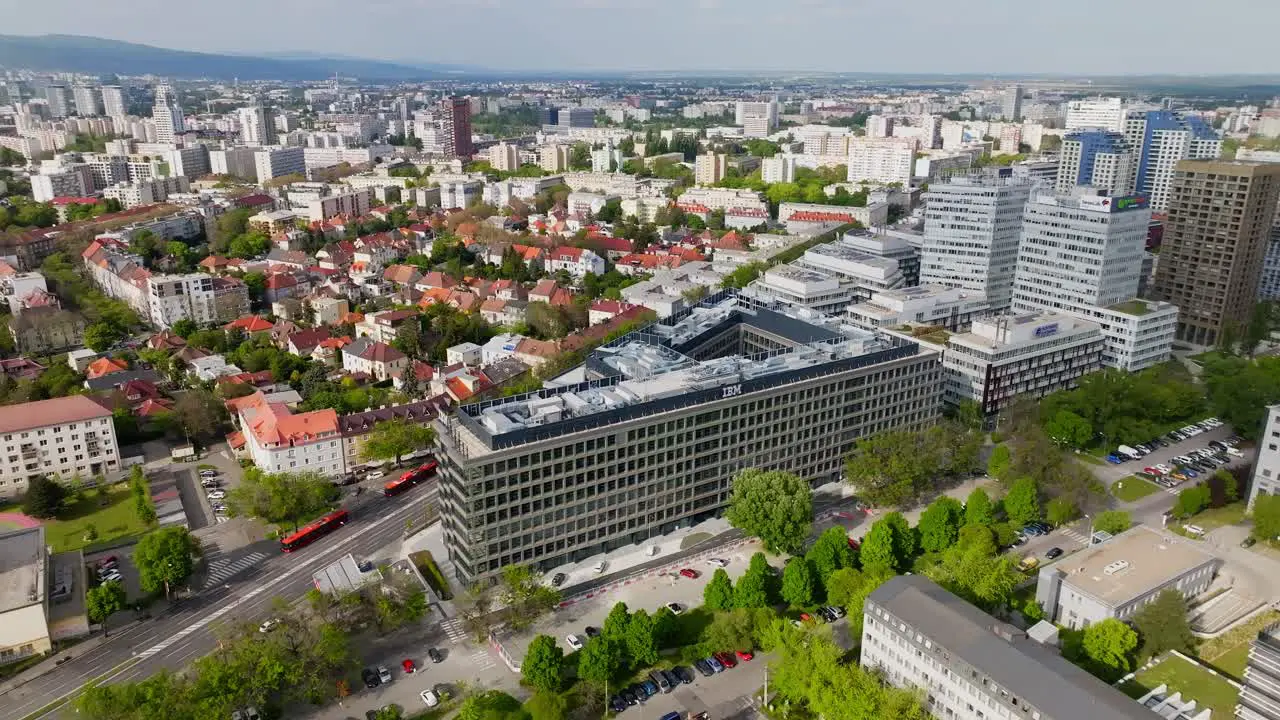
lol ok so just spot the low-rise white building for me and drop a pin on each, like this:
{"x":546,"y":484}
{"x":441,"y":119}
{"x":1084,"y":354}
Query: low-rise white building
{"x":801,"y":287}
{"x":799,"y":216}
{"x":274,"y":162}
{"x":64,"y":438}
{"x":1004,"y":356}
{"x":354,"y":204}
{"x":778,"y":169}
{"x":373,"y":358}
{"x":576,"y":261}
{"x":953,"y":309}
{"x":663,"y":293}
{"x":867,"y":274}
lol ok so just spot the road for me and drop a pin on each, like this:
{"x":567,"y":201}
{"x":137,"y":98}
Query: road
{"x":185,"y":632}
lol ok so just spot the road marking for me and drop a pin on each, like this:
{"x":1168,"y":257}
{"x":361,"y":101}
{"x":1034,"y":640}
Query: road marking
{"x":220,"y":570}
{"x":483,"y":659}
{"x":453,"y":628}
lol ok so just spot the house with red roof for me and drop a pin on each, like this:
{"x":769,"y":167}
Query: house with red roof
{"x":104,"y":366}
{"x":610,"y":247}
{"x":373,"y":358}
{"x":606,"y":310}
{"x":329,"y":351}
{"x":436,"y":279}
{"x":279,"y":440}
{"x":281,"y":286}
{"x":574,"y":260}
{"x":535,"y":353}
{"x":464,"y":300}
{"x":402,"y":275}
{"x":250,"y":324}
{"x":259,"y":202}
{"x":166,"y":340}
{"x":497,"y":311}
{"x":303,"y":342}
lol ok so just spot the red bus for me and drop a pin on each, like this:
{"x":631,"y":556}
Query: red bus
{"x":314,"y":530}
{"x":409,"y":479}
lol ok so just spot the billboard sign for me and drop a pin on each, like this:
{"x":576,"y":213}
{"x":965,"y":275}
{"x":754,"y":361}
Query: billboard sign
{"x":1046,"y":330}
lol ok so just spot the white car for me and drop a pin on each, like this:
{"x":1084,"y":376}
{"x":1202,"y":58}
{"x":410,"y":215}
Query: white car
{"x":217,"y":494}
{"x":574,"y":641}
{"x":268,"y":626}
{"x":717,"y":562}
{"x":111,"y":576}
{"x":1164,"y":469}
{"x":429,"y":697}
{"x":374,"y":475}
{"x":384,"y":674}
{"x":208,"y":473}
{"x":675,"y":608}
{"x":1234,"y":452}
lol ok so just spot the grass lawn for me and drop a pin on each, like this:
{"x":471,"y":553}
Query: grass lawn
{"x":1193,"y":681}
{"x":1086,"y":457}
{"x":114,"y":521}
{"x":1229,"y":652}
{"x":1132,"y":488}
{"x":1232,"y":514}
{"x":1202,"y":357}
{"x":1234,"y":661}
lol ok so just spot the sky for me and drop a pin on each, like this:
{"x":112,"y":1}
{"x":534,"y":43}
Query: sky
{"x":1080,"y":37}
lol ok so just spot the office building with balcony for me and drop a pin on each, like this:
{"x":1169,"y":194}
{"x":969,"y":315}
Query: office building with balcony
{"x":649,"y":437}
{"x":971,"y":666}
{"x":61,"y":438}
{"x":1161,"y":139}
{"x":796,"y":286}
{"x":1004,"y":356}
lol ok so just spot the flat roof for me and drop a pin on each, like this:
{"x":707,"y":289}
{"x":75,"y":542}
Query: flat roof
{"x":342,"y":576}
{"x":22,"y":568}
{"x":1131,"y":564}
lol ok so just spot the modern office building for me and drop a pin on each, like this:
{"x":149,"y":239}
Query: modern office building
{"x":59,"y":98}
{"x":1082,"y":255}
{"x":274,"y":162}
{"x":758,"y":119}
{"x":1104,"y":113}
{"x":882,"y":160}
{"x":113,"y":102}
{"x":1260,"y":697}
{"x":1215,"y":238}
{"x":1011,"y":104}
{"x":88,"y":100}
{"x":952,"y":309}
{"x":1117,"y":578}
{"x":166,"y":113}
{"x":1266,"y":468}
{"x":455,"y":123}
{"x":797,"y":286}
{"x":1096,"y":158}
{"x":971,"y":232}
{"x":548,"y":116}
{"x":1161,"y":139}
{"x":864,"y":273}
{"x":190,"y":162}
{"x":710,"y":168}
{"x":664,"y":418}
{"x":61,"y":438}
{"x":1004,"y":356}
{"x":892,"y":244}
{"x":236,"y":161}
{"x":971,"y":666}
{"x":576,"y":117}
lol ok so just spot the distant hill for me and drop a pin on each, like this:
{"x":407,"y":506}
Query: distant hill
{"x":100,"y":56}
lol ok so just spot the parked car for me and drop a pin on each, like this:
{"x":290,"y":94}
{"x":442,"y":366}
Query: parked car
{"x":715,"y":664}
{"x":1248,"y":542}
{"x":408,"y":666}
{"x":650,"y":687}
{"x":726,"y":659}
{"x":574,"y":641}
{"x":704,"y":667}
{"x":268,"y":625}
{"x":617,"y":704}
{"x":1115,"y":459}
{"x":558,"y":579}
{"x":744,"y":655}
{"x":1151,"y":471}
{"x":1164,"y":469}
{"x":629,"y":696}
{"x":208,"y":473}
{"x":370,"y":677}
{"x":209,"y":483}
{"x":591,"y":631}
{"x":675,"y":608}
{"x":435,"y":655}
{"x":683,"y":674}
{"x":111,"y":576}
{"x":671,"y":716}
{"x":717,"y":562}
{"x":660,"y":680}
{"x":1234,"y":452}
{"x":1054,"y":553}
{"x":384,"y":674}
{"x":429,"y":697}
{"x":689,"y":573}
{"x":217,"y":495}
{"x":376,"y":474}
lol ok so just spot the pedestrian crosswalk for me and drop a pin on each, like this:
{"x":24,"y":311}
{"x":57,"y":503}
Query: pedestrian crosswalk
{"x":1078,"y":537}
{"x":453,"y":628}
{"x":483,"y":659}
{"x":221,"y":567}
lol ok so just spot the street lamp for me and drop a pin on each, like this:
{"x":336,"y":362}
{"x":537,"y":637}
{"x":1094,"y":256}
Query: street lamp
{"x":1089,"y":537}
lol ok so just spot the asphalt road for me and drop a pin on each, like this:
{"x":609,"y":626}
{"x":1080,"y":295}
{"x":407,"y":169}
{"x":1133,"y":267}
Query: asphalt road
{"x":186,"y":632}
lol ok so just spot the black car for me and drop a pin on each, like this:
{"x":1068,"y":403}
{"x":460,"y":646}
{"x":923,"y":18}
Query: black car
{"x":630,"y":697}
{"x":592,"y":631}
{"x":683,"y":673}
{"x":558,"y":579}
{"x":672,"y":679}
{"x":435,"y":655}
{"x":1053,"y":553}
{"x":617,"y":704}
{"x":704,"y":667}
{"x":639,"y":691}
{"x":1159,"y":443}
{"x":370,"y":677}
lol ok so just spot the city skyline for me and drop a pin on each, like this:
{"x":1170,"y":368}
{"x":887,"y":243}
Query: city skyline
{"x":805,"y":35}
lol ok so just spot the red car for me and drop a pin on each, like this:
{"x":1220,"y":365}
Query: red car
{"x":805,"y":617}
{"x":744,"y":655}
{"x":726,"y":659}
{"x":408,"y":666}
{"x":689,"y":573}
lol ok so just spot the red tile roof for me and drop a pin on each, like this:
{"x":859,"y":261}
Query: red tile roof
{"x":104,"y":366}
{"x":250,"y":324}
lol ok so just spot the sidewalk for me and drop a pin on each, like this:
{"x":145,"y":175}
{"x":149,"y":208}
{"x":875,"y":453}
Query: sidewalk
{"x":58,"y":658}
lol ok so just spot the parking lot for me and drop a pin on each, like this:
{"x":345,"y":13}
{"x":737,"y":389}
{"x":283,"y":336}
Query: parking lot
{"x":1109,"y":473}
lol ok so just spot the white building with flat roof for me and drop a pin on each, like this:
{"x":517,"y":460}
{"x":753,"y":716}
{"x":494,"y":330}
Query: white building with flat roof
{"x":1004,"y":356}
{"x":882,"y":160}
{"x":801,"y":287}
{"x":863,"y":272}
{"x":63,"y":438}
{"x":274,"y":162}
{"x":1106,"y":113}
{"x":1266,"y":469}
{"x":778,"y":169}
{"x":950,"y":308}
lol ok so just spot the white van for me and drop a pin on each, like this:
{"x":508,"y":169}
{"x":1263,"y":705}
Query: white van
{"x":1131,"y":453}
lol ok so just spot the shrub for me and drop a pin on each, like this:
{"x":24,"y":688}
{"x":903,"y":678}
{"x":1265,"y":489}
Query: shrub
{"x":431,"y":572}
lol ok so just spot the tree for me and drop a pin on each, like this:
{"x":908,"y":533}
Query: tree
{"x":44,"y":498}
{"x":100,"y":602}
{"x":185,"y":328}
{"x":718,"y":594}
{"x":491,"y":705}
{"x":392,"y":439}
{"x":939,"y":525}
{"x":615,"y":624}
{"x":729,"y":631}
{"x":1162,"y":625}
{"x":775,"y":506}
{"x":547,"y":706}
{"x":1112,"y":521}
{"x":842,"y":585}
{"x":1068,"y":428}
{"x":599,"y":660}
{"x":1022,"y":504}
{"x":999,"y":461}
{"x":666,"y":628}
{"x":1109,"y":646}
{"x":101,"y":336}
{"x":797,"y":583}
{"x":1191,"y":501}
{"x":830,"y":553}
{"x":641,"y":640}
{"x":889,"y":545}
{"x":285,"y":498}
{"x":526,"y":598}
{"x":165,"y":557}
{"x":1060,"y":511}
{"x":982,"y":578}
{"x":978,"y":508}
{"x":1266,"y":516}
{"x":752,"y":589}
{"x":200,"y":413}
{"x":543,"y":664}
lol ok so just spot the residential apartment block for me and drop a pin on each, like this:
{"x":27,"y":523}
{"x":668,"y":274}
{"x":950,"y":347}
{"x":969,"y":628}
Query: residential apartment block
{"x":665,"y":419}
{"x":64,"y":438}
{"x":971,"y":666}
{"x":1096,"y":158}
{"x":279,"y":440}
{"x":882,"y":160}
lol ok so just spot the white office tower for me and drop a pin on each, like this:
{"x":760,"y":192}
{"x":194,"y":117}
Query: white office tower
{"x":757,"y":119}
{"x":113,"y":104}
{"x":1096,"y":158}
{"x":971,"y":231}
{"x":1082,"y":255}
{"x":882,"y":160}
{"x":88,"y":101}
{"x":167,"y":115}
{"x":710,"y":168}
{"x":256,"y":127}
{"x":1011,"y":107}
{"x":1160,"y":140}
{"x":1105,"y":113}
{"x":59,"y":101}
